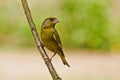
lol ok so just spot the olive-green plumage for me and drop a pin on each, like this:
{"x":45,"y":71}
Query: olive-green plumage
{"x":51,"y":39}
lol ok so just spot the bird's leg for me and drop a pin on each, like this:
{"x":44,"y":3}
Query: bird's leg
{"x":52,"y":56}
{"x":48,"y":60}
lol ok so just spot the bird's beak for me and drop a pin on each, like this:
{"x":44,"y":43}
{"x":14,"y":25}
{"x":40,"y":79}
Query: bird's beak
{"x":55,"y":21}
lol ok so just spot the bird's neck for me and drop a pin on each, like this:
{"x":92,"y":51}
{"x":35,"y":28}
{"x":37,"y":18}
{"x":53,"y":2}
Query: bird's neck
{"x":48,"y":27}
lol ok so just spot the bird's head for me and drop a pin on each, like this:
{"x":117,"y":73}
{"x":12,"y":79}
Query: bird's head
{"x":50,"y":22}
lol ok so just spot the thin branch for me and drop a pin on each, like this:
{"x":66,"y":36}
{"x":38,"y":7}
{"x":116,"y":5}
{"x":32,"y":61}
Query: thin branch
{"x":38,"y":42}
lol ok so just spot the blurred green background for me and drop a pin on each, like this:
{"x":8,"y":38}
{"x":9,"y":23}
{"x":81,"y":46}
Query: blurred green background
{"x":84,"y":24}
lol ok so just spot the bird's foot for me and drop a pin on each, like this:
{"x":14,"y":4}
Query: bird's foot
{"x":48,"y":60}
{"x":42,"y":45}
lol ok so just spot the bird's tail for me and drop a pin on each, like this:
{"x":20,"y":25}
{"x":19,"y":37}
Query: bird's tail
{"x":64,"y":61}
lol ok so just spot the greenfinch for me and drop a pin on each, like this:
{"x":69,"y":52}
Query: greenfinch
{"x":50,"y":38}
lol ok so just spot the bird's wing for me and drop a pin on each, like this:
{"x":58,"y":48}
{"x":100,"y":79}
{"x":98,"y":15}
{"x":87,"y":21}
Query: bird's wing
{"x":57,"y":38}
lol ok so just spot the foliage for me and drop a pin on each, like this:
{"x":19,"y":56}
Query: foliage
{"x":87,"y":23}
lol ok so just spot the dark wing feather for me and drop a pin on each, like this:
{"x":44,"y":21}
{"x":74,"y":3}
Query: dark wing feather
{"x":57,"y":38}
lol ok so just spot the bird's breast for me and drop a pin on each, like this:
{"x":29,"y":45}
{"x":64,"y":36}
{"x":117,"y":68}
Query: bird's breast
{"x":46,"y":34}
{"x":48,"y":40}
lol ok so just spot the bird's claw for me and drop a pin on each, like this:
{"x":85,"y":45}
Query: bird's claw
{"x":42,"y":45}
{"x":47,"y":60}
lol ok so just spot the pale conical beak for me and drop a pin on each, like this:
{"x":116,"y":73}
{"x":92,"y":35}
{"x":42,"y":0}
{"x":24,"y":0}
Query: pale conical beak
{"x":55,"y":21}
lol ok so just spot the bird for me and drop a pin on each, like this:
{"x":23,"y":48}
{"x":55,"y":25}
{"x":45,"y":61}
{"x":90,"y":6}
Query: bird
{"x":50,"y":38}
